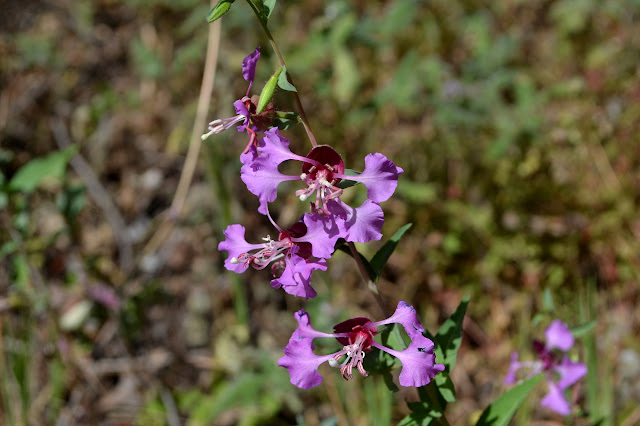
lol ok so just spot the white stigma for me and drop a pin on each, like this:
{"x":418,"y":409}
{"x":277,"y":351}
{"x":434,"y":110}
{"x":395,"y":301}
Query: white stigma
{"x":234,"y":260}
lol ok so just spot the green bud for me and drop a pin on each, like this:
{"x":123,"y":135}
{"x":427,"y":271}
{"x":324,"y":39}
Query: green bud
{"x":219,"y":9}
{"x":267,"y":92}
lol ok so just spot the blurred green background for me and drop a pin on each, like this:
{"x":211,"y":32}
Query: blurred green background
{"x":516,"y":123}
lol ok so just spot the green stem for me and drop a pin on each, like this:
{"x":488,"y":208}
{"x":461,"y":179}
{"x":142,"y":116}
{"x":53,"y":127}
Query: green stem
{"x":373,"y":287}
{"x":303,"y":116}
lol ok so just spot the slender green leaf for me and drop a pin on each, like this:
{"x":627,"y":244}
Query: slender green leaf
{"x":33,"y":174}
{"x":344,"y":183}
{"x":284,"y":120}
{"x":260,"y":9}
{"x":427,"y":411}
{"x":267,"y":91}
{"x":269,"y":5}
{"x":382,"y":256}
{"x":547,"y":301}
{"x":283,"y":83}
{"x":502,"y":410}
{"x":582,"y":329}
{"x":449,"y":337}
{"x":448,"y":340}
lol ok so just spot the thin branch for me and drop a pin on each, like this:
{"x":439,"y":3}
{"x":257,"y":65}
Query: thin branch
{"x":100,"y":196}
{"x":195,"y":143}
{"x":373,"y":287}
{"x":303,"y":115}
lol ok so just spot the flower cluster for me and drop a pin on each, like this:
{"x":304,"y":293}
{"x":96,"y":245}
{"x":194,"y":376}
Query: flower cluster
{"x":305,"y":246}
{"x":560,"y":372}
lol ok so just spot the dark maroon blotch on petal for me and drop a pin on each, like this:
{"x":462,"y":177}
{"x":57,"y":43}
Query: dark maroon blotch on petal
{"x":325,"y":155}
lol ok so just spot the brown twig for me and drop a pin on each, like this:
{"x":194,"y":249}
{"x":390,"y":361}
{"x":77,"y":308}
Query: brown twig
{"x":195,"y":143}
{"x":99,"y":195}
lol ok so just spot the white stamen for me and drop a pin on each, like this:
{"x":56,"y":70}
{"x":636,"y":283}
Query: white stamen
{"x":234,"y":260}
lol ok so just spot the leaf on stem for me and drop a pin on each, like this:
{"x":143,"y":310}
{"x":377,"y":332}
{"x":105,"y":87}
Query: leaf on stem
{"x":502,"y":410}
{"x":268,"y":6}
{"x":286,"y":119}
{"x":382,"y":256}
{"x":448,"y":340}
{"x":283,"y":83}
{"x":35,"y":172}
{"x":344,"y":183}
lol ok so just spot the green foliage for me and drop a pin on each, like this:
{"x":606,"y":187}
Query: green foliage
{"x":283,"y":83}
{"x":284,"y":120}
{"x":258,"y":394}
{"x":379,"y":260}
{"x":502,"y":410}
{"x":37,"y":171}
{"x":435,"y":396}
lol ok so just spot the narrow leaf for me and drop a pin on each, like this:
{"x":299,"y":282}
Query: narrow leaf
{"x":448,"y":340}
{"x":344,"y":183}
{"x":32,"y":174}
{"x":284,"y":120}
{"x":502,"y":410}
{"x":267,"y":92}
{"x":382,"y":256}
{"x":283,"y":83}
{"x":260,"y":9}
{"x":269,"y":5}
{"x":582,"y":329}
{"x":449,"y":337}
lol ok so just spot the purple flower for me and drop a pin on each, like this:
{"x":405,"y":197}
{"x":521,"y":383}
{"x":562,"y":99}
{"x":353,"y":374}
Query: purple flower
{"x":356,"y":335}
{"x":322,"y":170}
{"x":561,"y":373}
{"x":293,"y":257}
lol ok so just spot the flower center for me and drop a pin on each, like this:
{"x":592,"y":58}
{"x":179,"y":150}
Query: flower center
{"x":320,"y":178}
{"x":271,"y":251}
{"x":356,"y":345}
{"x":548,"y":358}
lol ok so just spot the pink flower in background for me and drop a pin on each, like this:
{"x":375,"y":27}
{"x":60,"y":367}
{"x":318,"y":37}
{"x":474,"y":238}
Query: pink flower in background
{"x":356,"y":335}
{"x":561,"y":373}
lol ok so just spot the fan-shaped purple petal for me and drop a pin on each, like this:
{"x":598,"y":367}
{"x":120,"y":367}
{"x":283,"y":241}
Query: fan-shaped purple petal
{"x":558,"y":336}
{"x":570,"y":372}
{"x":555,"y":400}
{"x":235,"y":244}
{"x":249,"y":65}
{"x":408,"y":317}
{"x":380,"y":176}
{"x":262,"y":179}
